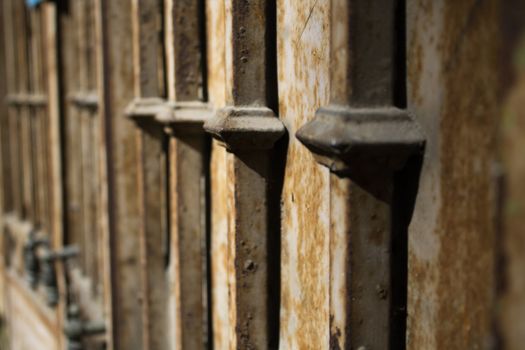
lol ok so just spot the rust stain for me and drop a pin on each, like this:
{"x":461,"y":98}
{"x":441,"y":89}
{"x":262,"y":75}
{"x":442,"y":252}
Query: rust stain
{"x":215,"y":17}
{"x":303,"y":86}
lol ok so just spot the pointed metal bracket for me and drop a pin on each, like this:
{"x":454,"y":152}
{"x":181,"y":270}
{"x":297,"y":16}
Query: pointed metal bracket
{"x":187,"y":116}
{"x":352,"y":140}
{"x":242,"y":128}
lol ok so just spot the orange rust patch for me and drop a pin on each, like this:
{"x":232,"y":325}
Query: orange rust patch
{"x":303,"y":42}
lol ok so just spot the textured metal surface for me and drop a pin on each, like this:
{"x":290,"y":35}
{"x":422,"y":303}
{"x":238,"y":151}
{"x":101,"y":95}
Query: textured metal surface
{"x":188,"y":262}
{"x":242,"y":128}
{"x":355,"y":141}
{"x":249,"y":122}
{"x":185,"y":59}
{"x":451,"y":90}
{"x":248,"y":128}
{"x":364,"y":135}
{"x":303,"y":80}
{"x":188,"y":170}
{"x":215,"y":44}
{"x":336,"y":236}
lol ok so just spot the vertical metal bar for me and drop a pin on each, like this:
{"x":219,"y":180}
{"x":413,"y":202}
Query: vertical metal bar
{"x":363,"y":53}
{"x":149,"y":138}
{"x":364,"y":136}
{"x":12,"y":24}
{"x":45,"y":83}
{"x":361,"y":74}
{"x":3,"y":159}
{"x":41,"y":156}
{"x":151,"y":192}
{"x":248,"y":128}
{"x":360,"y":254}
{"x":49,"y":36}
{"x":120,"y":155}
{"x":9,"y":188}
{"x":84,"y":141}
{"x":34,"y":72}
{"x":188,"y":195}
{"x":93,"y":186}
{"x":23,"y":75}
{"x":145,"y":48}
{"x":90,"y":131}
{"x":70,"y":50}
{"x":185,"y":50}
{"x":188,"y":154}
{"x":106,"y":236}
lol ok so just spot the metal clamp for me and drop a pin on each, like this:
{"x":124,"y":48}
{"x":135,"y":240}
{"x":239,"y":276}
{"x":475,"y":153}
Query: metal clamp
{"x":49,"y":272}
{"x":76,"y":328}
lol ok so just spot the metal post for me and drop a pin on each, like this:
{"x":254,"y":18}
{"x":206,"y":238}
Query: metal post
{"x":364,"y":136}
{"x":248,"y":128}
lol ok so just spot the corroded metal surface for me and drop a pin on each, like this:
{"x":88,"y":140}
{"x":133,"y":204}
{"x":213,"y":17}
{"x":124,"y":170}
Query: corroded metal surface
{"x":365,"y":134}
{"x":452,"y":91}
{"x":248,"y":128}
{"x":303,"y":67}
{"x":188,"y":170}
{"x":215,"y":31}
{"x":185,"y":50}
{"x":331,"y":228}
{"x":243,"y":128}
